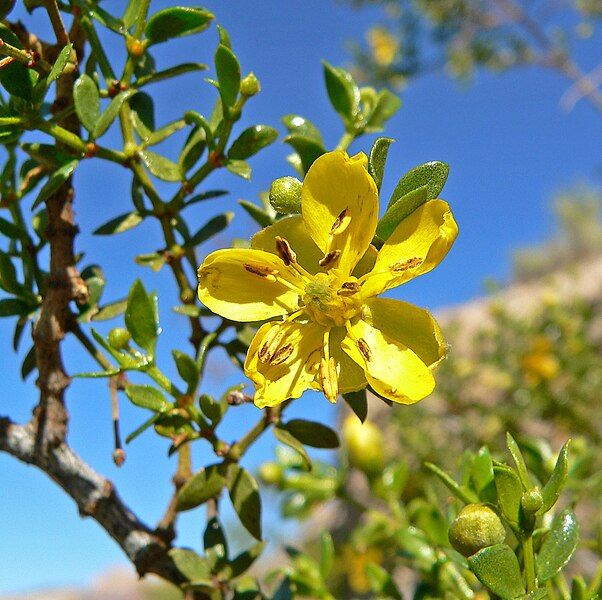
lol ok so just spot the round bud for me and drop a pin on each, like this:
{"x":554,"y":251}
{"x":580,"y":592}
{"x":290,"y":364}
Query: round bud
{"x":476,"y":527}
{"x":249,"y":86}
{"x":365,"y":445}
{"x":135,"y":47}
{"x":285,"y":195}
{"x":532,"y":500}
{"x":119,"y":338}
{"x":270,"y":473}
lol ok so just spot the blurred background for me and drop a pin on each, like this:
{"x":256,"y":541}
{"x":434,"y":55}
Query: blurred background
{"x":507,"y":94}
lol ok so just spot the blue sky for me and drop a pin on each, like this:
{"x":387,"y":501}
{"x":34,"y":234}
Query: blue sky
{"x":510,"y":148}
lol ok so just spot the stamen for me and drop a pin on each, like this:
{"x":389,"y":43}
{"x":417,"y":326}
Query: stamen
{"x":330,"y":259}
{"x":364,"y":349}
{"x":261,"y":270}
{"x":285,"y":252}
{"x":341,"y":222}
{"x":270,"y":344}
{"x":282,"y":354}
{"x":329,"y":378}
{"x":349,"y":288}
{"x":401,"y":266}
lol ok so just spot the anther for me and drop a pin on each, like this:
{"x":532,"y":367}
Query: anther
{"x":363,"y":347}
{"x":261,"y":270}
{"x":341,"y":222}
{"x":401,"y":266}
{"x":282,"y":354}
{"x":285,"y":252}
{"x":270,"y":344}
{"x":329,"y":378}
{"x":330,"y":258}
{"x":349,"y":288}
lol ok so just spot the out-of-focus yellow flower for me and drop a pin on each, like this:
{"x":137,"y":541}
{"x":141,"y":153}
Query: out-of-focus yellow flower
{"x":540,"y":364}
{"x":383,"y":46}
{"x":320,"y":274}
{"x":355,"y":567}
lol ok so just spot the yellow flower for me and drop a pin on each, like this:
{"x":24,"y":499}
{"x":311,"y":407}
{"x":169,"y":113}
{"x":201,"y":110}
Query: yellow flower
{"x":319,"y":275}
{"x":540,"y":364}
{"x":383,"y":45}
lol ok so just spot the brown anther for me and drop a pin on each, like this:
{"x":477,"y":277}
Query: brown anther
{"x":363,"y":347}
{"x":341,"y":222}
{"x":91,"y":150}
{"x":330,"y":258}
{"x":282,"y":354}
{"x":119,"y":456}
{"x":285,"y":252}
{"x":261,"y":270}
{"x":114,"y":88}
{"x":216,"y":159}
{"x":270,"y":344}
{"x":349,"y":288}
{"x":401,"y":266}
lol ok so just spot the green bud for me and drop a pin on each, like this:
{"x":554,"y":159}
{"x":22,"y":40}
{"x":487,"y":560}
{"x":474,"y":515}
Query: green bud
{"x":365,"y":445}
{"x":249,"y":86}
{"x":532,"y":501}
{"x":270,"y":473}
{"x":119,"y":338}
{"x":476,"y":527}
{"x":285,"y":195}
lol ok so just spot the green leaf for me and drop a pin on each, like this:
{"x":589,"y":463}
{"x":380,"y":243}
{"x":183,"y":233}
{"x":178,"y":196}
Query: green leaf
{"x":10,"y":307}
{"x":536,"y":595}
{"x":519,"y":461}
{"x":143,"y":114}
{"x":342,"y":90}
{"x":228,"y":75}
{"x":8,"y":275}
{"x":131,"y":13}
{"x":158,"y":136}
{"x":108,"y":20}
{"x":140,"y":317}
{"x":497,"y":568}
{"x":387,"y":104}
{"x":358,"y":403}
{"x":176,"y":21}
{"x":551,"y":490}
{"x":251,"y":141}
{"x":29,"y":363}
{"x":120,"y":224}
{"x":206,"y":196}
{"x":460,"y":491}
{"x":284,"y":436}
{"x":260,"y":216}
{"x":245,"y":559}
{"x":308,"y":149}
{"x":303,"y":127}
{"x":240,"y":168}
{"x":187,"y":368}
{"x":378,"y":158}
{"x":509,"y":493}
{"x":108,"y":116}
{"x":147,"y":396}
{"x":203,"y":485}
{"x":312,"y":433}
{"x":558,"y":546}
{"x":381,"y":582}
{"x":98,"y":374}
{"x":60,"y":63}
{"x":110,"y":311}
{"x":399,"y":211}
{"x":214,"y":226}
{"x":161,"y":167}
{"x":140,"y":430}
{"x":244,"y":494}
{"x":170,"y":73}
{"x":433,"y":175}
{"x":87,"y":102}
{"x":16,"y":78}
{"x":55,"y":181}
{"x":327,"y":553}
{"x":481,"y":475}
{"x":193,"y":149}
{"x":214,"y":536}
{"x":190,"y":565}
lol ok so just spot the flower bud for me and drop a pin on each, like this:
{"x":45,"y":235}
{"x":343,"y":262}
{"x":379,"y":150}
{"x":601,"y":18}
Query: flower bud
{"x":365,"y":445}
{"x":249,"y":86}
{"x":476,"y":527}
{"x":135,"y":47}
{"x":285,"y":195}
{"x":119,"y":338}
{"x":532,"y":501}
{"x":270,"y":473}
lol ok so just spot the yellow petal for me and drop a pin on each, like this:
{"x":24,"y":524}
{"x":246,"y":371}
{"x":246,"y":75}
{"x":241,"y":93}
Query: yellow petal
{"x":392,"y":369}
{"x":410,"y":325}
{"x":418,"y":244}
{"x":247,"y":285}
{"x":339,"y":202}
{"x":283,"y":360}
{"x":351,"y":375}
{"x":293,"y":230}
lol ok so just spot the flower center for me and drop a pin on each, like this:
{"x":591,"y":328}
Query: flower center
{"x":331,"y":299}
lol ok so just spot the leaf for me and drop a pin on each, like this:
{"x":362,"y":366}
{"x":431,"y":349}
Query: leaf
{"x":303,"y":127}
{"x":176,"y":21}
{"x":497,"y":568}
{"x":312,"y":433}
{"x":551,"y":490}
{"x":399,"y":211}
{"x":203,"y":485}
{"x":244,"y":560}
{"x":161,"y":167}
{"x":110,"y":114}
{"x":481,"y":474}
{"x":140,"y":430}
{"x":8,"y":275}
{"x":120,"y":224}
{"x":158,"y":136}
{"x":169,"y":73}
{"x":29,"y":363}
{"x":240,"y":168}
{"x":147,"y":396}
{"x":387,"y":104}
{"x":285,"y":437}
{"x":251,"y":141}
{"x":214,"y":226}
{"x":461,"y":492}
{"x":244,"y":494}
{"x":358,"y":403}
{"x":519,"y":461}
{"x":140,"y":318}
{"x":327,"y":553}
{"x":131,"y":13}
{"x":214,"y":536}
{"x":10,"y":307}
{"x":60,"y":63}
{"x":110,"y":311}
{"x":308,"y":149}
{"x":187,"y":368}
{"x":16,"y":78}
{"x":192,"y":566}
{"x":206,"y":196}
{"x":108,"y":20}
{"x":558,"y":546}
{"x":87,"y":102}
{"x":509,"y":493}
{"x":193,"y":149}
{"x":381,"y":582}
{"x":228,"y":75}
{"x":378,"y":158}
{"x":55,"y":181}
{"x":260,"y":216}
{"x":431,"y":174}
{"x":342,"y":91}
{"x":143,"y":114}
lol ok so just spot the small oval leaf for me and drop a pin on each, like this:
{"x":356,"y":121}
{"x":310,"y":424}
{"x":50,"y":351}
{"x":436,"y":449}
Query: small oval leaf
{"x":558,"y":546}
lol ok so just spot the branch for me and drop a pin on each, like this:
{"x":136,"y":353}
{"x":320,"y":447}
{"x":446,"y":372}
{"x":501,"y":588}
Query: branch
{"x":95,"y":497}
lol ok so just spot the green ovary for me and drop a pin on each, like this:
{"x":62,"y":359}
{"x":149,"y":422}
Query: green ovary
{"x":325,"y":304}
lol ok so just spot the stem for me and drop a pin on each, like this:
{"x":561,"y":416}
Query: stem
{"x":89,"y":345}
{"x":596,"y":582}
{"x":62,"y":37}
{"x":345,"y":141}
{"x":529,"y":563}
